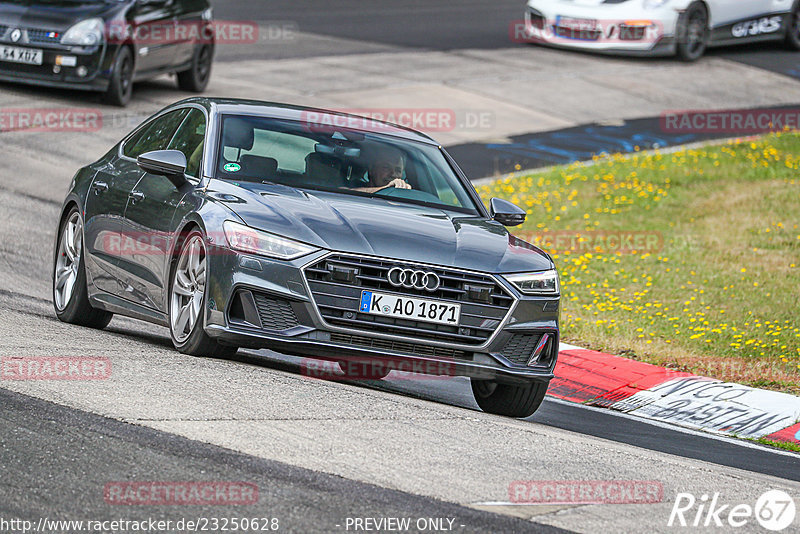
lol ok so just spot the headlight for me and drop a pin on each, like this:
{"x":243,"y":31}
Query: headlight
{"x":87,"y":32}
{"x":653,"y":4}
{"x":208,"y":14}
{"x":541,"y":283}
{"x":246,"y":239}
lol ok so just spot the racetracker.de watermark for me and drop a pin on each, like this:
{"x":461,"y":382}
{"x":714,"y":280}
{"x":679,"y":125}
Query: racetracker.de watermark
{"x":735,"y":122}
{"x":376,"y":119}
{"x":216,"y":32}
{"x":596,"y":241}
{"x":141,"y":244}
{"x":586,"y":492}
{"x":351,"y":368}
{"x":131,"y":243}
{"x":177,"y":493}
{"x":569,"y":30}
{"x":51,"y":119}
{"x":54,"y":368}
{"x":67,"y":119}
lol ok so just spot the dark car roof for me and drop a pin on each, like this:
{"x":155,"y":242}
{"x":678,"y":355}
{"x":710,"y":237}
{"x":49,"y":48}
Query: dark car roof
{"x":291,"y":112}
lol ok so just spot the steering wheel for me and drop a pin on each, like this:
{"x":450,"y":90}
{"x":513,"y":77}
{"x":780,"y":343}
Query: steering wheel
{"x":411,"y":194}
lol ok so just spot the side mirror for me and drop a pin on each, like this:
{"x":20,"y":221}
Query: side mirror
{"x":506,"y":213}
{"x":169,"y":163}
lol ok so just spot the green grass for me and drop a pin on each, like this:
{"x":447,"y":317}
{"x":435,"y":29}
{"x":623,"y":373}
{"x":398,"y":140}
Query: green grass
{"x":793,"y":447}
{"x":713,"y":287}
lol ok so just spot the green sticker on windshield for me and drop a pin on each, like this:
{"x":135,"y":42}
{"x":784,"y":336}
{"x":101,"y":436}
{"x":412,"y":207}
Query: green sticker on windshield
{"x":232,"y":167}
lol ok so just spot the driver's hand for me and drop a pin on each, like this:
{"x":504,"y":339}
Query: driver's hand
{"x":399,"y":183}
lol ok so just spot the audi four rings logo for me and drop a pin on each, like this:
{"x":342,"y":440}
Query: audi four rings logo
{"x":411,"y":279}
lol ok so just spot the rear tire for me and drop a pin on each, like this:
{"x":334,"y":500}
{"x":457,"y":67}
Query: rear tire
{"x":196,"y":78}
{"x":120,"y":88}
{"x":793,"y":34}
{"x":187,"y":297}
{"x":70,"y":294}
{"x":508,"y":400}
{"x":693,"y":33}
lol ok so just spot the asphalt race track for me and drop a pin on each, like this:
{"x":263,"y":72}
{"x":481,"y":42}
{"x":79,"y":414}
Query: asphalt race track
{"x":66,"y":452}
{"x":322,"y":452}
{"x":440,"y":25}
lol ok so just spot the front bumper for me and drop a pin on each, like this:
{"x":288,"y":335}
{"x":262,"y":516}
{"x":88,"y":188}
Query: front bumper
{"x":263,"y":303}
{"x":619,"y":28}
{"x":91,"y":72}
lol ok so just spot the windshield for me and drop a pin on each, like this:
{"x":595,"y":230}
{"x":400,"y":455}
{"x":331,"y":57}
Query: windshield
{"x":321,"y":157}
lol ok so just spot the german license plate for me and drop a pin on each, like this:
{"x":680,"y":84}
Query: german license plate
{"x":15,"y":54}
{"x":576,"y":24}
{"x":402,"y":307}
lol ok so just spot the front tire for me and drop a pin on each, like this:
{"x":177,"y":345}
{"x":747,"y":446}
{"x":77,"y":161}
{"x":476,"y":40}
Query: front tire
{"x":187,"y":297}
{"x":120,"y":88}
{"x":70,"y":294}
{"x":693,"y":33}
{"x":508,"y":400}
{"x":196,"y":78}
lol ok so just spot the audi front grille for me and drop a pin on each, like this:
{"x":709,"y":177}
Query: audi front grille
{"x":336,"y":282}
{"x":399,"y":346}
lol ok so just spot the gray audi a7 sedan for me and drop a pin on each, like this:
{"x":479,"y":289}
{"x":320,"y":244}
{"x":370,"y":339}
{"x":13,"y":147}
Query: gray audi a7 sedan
{"x":240,"y":223}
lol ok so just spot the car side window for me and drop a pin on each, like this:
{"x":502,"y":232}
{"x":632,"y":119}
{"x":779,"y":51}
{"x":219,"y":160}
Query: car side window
{"x":289,"y":150}
{"x":431,"y":180}
{"x":189,"y":140}
{"x":154,"y":136}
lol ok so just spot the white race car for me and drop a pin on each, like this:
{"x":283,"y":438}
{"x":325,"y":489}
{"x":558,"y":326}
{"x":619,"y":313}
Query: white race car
{"x":659,"y":27}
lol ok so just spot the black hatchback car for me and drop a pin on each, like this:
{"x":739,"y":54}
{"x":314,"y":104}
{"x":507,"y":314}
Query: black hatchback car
{"x":106,"y":45}
{"x":248,"y":224}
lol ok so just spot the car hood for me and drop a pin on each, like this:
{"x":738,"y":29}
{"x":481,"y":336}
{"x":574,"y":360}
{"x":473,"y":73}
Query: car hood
{"x":380,"y":227}
{"x":57,"y":15}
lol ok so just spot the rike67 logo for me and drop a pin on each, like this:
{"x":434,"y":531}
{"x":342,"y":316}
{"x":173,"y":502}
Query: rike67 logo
{"x":774,"y":510}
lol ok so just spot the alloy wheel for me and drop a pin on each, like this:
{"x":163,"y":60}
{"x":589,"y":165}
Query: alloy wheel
{"x":68,"y":261}
{"x":188,"y":289}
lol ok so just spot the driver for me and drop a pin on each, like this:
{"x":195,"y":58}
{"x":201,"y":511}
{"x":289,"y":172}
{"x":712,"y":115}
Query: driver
{"x":386,"y":170}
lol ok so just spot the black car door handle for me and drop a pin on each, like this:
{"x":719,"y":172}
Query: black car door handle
{"x":136,"y":196}
{"x":100,"y":187}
